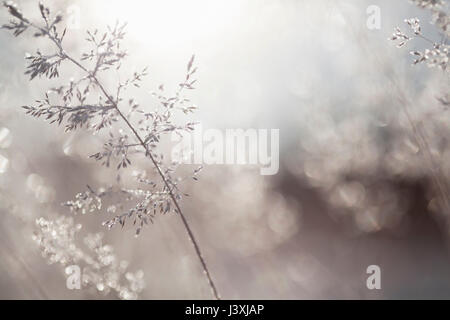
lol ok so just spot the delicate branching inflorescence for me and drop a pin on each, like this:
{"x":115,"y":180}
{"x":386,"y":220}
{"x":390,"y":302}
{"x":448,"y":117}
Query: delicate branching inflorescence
{"x":130,"y":130}
{"x":439,"y":11}
{"x":99,"y":266}
{"x":438,"y":55}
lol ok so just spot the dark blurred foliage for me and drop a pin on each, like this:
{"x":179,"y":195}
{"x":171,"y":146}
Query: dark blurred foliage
{"x":364,"y":137}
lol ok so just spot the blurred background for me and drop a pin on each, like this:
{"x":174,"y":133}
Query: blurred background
{"x":354,"y":187}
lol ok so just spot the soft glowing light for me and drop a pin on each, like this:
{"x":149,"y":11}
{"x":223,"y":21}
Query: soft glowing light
{"x":175,"y":22}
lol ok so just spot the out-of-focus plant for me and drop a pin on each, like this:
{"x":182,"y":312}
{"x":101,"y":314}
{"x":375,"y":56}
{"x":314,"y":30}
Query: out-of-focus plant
{"x":88,"y":103}
{"x":370,"y":179}
{"x":436,"y":56}
{"x":100,"y":267}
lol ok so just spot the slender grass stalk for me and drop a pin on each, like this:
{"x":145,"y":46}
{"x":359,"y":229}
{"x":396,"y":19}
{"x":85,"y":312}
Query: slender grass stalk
{"x":49,"y":31}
